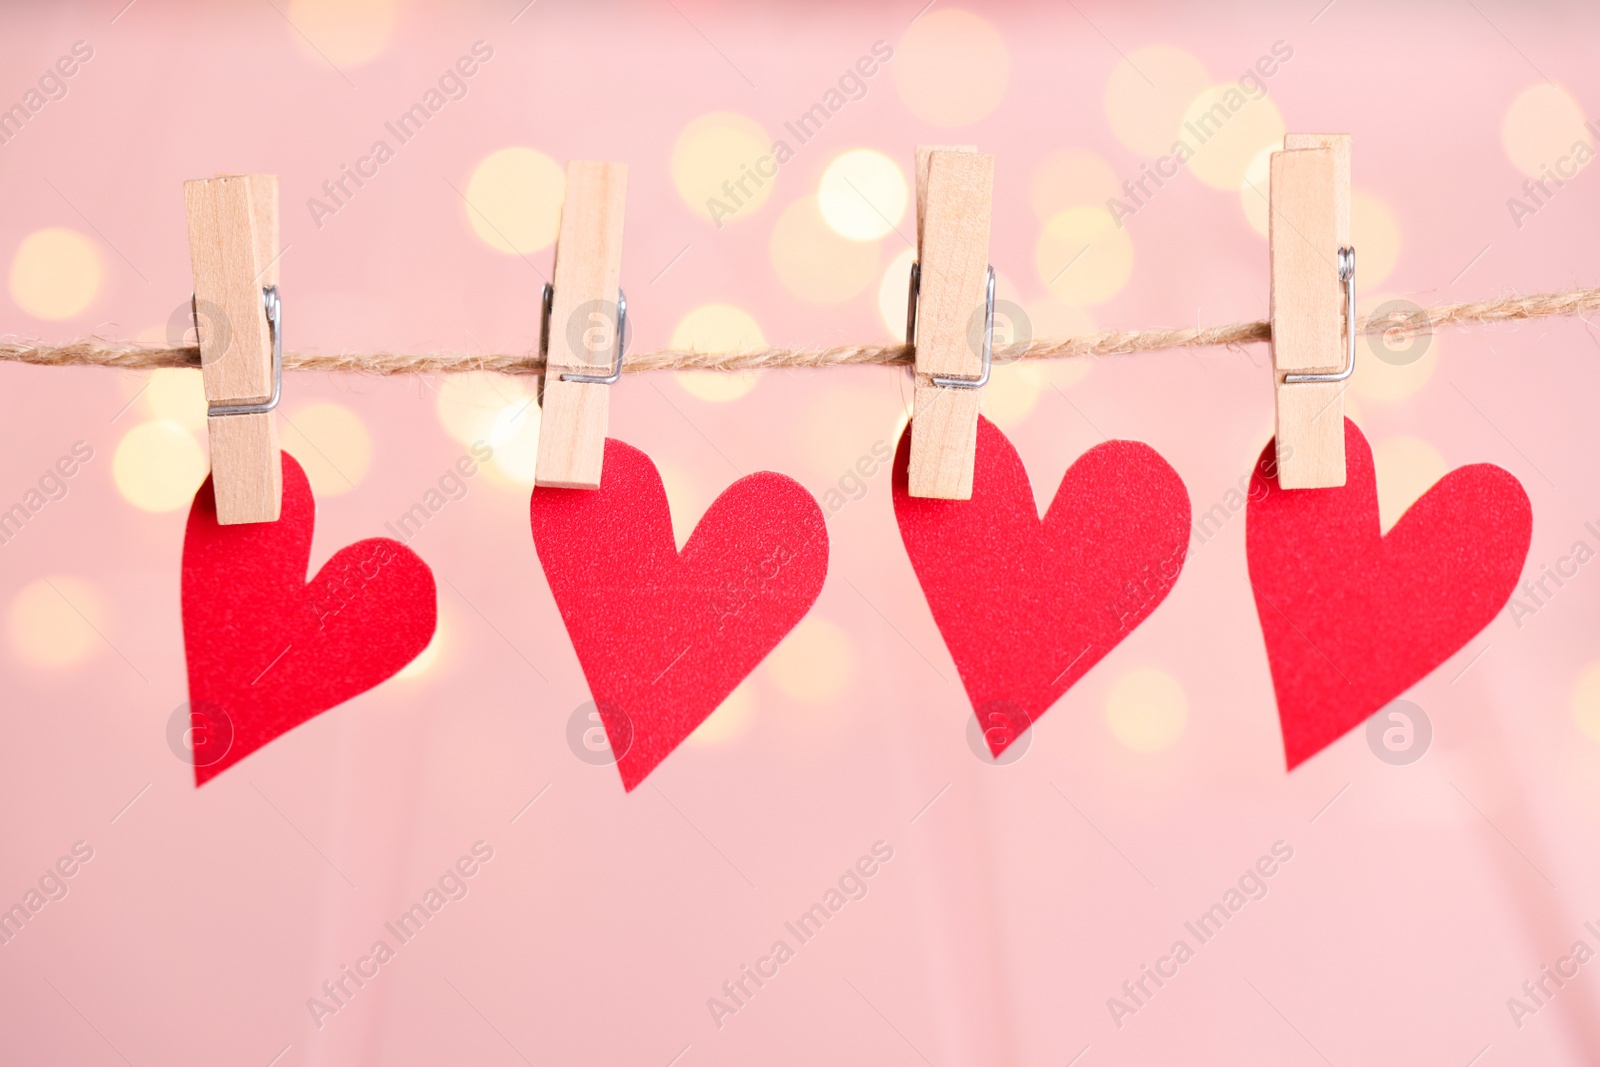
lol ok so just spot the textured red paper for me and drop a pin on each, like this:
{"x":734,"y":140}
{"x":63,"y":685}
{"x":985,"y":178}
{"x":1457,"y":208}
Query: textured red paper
{"x":663,"y":637}
{"x":1352,"y":617}
{"x":266,"y":650}
{"x":1027,"y":607}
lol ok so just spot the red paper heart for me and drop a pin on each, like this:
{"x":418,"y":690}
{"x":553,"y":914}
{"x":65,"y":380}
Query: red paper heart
{"x":1027,"y":607}
{"x":663,"y":637}
{"x":1353,"y":617}
{"x":266,"y":650}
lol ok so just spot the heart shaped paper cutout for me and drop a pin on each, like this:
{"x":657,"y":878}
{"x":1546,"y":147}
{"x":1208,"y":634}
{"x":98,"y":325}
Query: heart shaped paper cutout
{"x":1026,"y":606}
{"x":664,"y":636}
{"x":1354,"y":617}
{"x":266,"y":649}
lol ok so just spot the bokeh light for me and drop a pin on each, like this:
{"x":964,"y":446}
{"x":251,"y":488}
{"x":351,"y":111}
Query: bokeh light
{"x":862,"y":195}
{"x":472,"y":406}
{"x":345,"y":33}
{"x":814,"y":663}
{"x":717,"y":328}
{"x":1375,"y":233}
{"x":1407,"y":467}
{"x":1235,"y":127}
{"x":816,"y":264}
{"x":158,"y":466}
{"x":514,"y":200}
{"x":178,"y":395}
{"x":1082,"y":257}
{"x":1384,"y":379}
{"x":717,"y":166}
{"x":1586,"y":702}
{"x":950,"y":67}
{"x":55,"y":273}
{"x":332,"y":445}
{"x":894,"y":293}
{"x":57,"y":621}
{"x":1542,"y":125}
{"x":1147,"y":709}
{"x":732,"y":718}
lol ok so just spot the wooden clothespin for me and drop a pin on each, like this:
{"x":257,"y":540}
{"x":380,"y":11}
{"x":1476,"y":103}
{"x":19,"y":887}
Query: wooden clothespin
{"x":233,"y":241}
{"x":1313,"y":306}
{"x":585,"y":327}
{"x":951,"y":319}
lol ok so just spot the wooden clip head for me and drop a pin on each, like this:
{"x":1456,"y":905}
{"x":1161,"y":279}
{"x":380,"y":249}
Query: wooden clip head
{"x":233,"y":240}
{"x":585,"y":327}
{"x":1313,"y":306}
{"x":952,"y":318}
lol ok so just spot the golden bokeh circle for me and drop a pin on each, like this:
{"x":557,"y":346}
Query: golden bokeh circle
{"x":1226,"y":129}
{"x":344,"y":33}
{"x":816,"y":264}
{"x":862,"y":195}
{"x":1543,"y":124}
{"x":513,"y":200}
{"x":55,"y":273}
{"x":1147,"y":709}
{"x":57,"y":621}
{"x":951,"y":67}
{"x":1083,"y":257}
{"x":158,"y":466}
{"x":722,"y":166}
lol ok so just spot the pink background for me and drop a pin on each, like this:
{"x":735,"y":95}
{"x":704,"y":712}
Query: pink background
{"x":1026,"y":894}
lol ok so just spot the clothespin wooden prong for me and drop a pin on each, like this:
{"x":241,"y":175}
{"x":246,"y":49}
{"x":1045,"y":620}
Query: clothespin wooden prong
{"x":1313,"y":265}
{"x":233,"y":238}
{"x":585,"y":327}
{"x":952,"y":318}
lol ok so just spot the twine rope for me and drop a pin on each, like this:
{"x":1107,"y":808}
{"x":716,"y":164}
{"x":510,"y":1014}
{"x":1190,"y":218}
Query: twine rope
{"x":1396,"y":326}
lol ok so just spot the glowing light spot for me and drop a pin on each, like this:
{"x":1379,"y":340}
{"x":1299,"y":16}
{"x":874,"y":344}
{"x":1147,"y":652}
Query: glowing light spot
{"x":685,"y":500}
{"x":158,"y":466}
{"x":862,"y":195}
{"x":722,"y":166}
{"x":1586,"y":702}
{"x":1376,"y":235}
{"x":514,"y":437}
{"x":53,"y":622}
{"x":1147,"y":709}
{"x":55,"y":274}
{"x":951,"y":68}
{"x":717,"y":328}
{"x":345,"y":33}
{"x":178,"y":395}
{"x":1082,"y":257}
{"x":514,"y":200}
{"x":470,"y":405}
{"x":1389,"y":371}
{"x":1147,"y":96}
{"x":1234,"y":128}
{"x":1012,"y":392}
{"x":731,"y":720}
{"x":1069,"y":177}
{"x":1543,"y":125}
{"x":815,"y":263}
{"x":429,"y":658}
{"x":332,"y":445}
{"x":814,"y":663}
{"x":1253,"y":192}
{"x":1407,"y":468}
{"x":894,"y":292}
